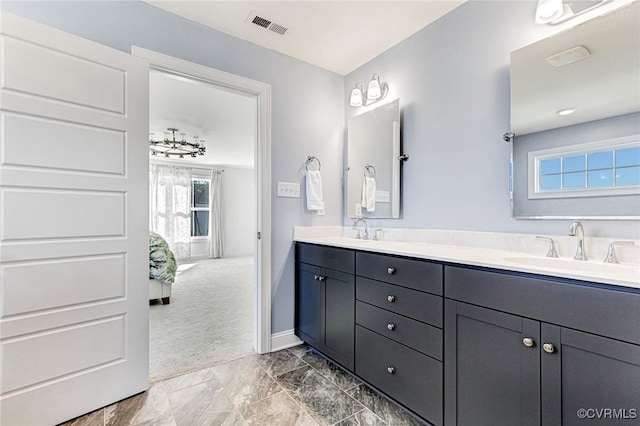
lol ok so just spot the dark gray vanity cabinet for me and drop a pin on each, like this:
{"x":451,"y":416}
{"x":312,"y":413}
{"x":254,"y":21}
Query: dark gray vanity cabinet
{"x":325,"y":294}
{"x":585,"y":373}
{"x":512,"y":366}
{"x":399,"y":337}
{"x":492,"y":378}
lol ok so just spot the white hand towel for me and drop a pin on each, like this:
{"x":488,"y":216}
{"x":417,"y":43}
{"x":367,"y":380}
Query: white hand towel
{"x":369,"y":194}
{"x":314,"y":190}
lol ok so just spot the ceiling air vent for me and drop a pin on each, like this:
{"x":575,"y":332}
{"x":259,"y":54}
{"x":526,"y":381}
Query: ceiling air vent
{"x":265,"y":23}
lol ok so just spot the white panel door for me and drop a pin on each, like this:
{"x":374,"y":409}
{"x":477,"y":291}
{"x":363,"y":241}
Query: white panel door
{"x":73,"y":224}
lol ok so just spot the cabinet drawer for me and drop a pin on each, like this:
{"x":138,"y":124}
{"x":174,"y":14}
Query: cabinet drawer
{"x":326,"y":257}
{"x":409,"y":377}
{"x":599,"y":310}
{"x":421,"y":337}
{"x":416,"y":274}
{"x":410,"y":303}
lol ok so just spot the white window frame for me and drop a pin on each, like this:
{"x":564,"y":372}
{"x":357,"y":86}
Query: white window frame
{"x":535,"y":158}
{"x":193,"y":209}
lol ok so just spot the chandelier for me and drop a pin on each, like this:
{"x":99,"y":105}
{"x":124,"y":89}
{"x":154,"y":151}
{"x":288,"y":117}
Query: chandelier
{"x":178,"y":148}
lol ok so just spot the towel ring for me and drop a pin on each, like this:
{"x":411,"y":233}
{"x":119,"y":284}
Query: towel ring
{"x":370,"y":169}
{"x":310,"y":159}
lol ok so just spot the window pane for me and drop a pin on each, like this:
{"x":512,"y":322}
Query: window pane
{"x":200,"y":223}
{"x":600,"y":160}
{"x":200,"y":193}
{"x":549,"y":182}
{"x":600,"y":178}
{"x":628,"y":176}
{"x":573,"y":164}
{"x":628,"y":157}
{"x":548,"y":167}
{"x":573,"y":180}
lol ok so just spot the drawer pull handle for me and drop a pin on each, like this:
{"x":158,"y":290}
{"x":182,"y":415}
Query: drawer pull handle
{"x":391,"y":326}
{"x":391,"y":298}
{"x":391,"y":271}
{"x":391,"y":370}
{"x":528,"y":342}
{"x":548,"y":348}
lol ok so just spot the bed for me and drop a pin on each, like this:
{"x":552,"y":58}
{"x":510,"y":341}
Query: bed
{"x":162,"y":268}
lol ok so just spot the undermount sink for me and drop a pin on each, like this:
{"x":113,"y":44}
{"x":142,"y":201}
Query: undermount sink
{"x":570,"y":264}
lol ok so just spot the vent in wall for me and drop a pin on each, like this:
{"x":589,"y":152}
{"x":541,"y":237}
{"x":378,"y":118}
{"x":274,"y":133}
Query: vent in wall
{"x":255,"y":19}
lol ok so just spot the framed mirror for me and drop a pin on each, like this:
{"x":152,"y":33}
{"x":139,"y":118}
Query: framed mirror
{"x":373,"y":163}
{"x":575,"y":112}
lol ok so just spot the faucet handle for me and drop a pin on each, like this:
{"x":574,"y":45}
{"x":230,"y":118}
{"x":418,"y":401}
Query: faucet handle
{"x":552,"y":246}
{"x":611,"y":253}
{"x":376,"y":234}
{"x":358,"y":235}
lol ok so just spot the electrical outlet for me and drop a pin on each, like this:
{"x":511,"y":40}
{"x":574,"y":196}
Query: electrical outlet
{"x":382,"y":196}
{"x":288,"y":189}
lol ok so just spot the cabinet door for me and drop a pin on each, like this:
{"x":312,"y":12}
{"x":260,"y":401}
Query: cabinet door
{"x":491,"y":377}
{"x":339,"y":316}
{"x":308,"y":304}
{"x":588,"y":379}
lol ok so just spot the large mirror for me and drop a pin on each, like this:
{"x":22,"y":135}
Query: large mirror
{"x":373,"y":163}
{"x":575,"y":112}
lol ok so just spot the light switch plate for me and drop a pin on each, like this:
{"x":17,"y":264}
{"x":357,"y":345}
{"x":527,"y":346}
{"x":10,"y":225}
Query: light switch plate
{"x":382,"y":196}
{"x":288,"y":189}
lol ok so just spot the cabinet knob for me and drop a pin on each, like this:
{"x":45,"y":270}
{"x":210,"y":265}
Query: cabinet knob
{"x":548,"y":348}
{"x":528,"y":342}
{"x":391,"y":298}
{"x":391,"y":326}
{"x":320,"y":278}
{"x":391,"y":271}
{"x":391,"y":370}
{"x":315,"y":277}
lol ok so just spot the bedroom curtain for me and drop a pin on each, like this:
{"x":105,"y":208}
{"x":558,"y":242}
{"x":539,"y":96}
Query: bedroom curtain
{"x":170,"y":206}
{"x":215,"y":217}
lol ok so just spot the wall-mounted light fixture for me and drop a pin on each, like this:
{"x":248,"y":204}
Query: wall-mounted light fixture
{"x":556,"y":11}
{"x":375,"y":91}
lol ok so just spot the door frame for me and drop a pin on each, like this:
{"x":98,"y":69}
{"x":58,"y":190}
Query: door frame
{"x":262,"y":92}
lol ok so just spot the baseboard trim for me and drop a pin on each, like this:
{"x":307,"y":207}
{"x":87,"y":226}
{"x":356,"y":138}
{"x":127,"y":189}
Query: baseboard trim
{"x":283,"y":340}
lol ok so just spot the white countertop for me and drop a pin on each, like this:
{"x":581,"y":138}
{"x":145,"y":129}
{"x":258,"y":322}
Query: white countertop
{"x":624,"y":274}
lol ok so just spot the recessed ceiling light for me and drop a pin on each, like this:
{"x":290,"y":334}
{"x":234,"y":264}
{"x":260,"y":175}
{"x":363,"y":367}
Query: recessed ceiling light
{"x":566,"y":111}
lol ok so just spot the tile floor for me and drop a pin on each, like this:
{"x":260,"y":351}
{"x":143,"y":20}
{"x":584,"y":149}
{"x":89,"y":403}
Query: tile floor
{"x":296,"y":387}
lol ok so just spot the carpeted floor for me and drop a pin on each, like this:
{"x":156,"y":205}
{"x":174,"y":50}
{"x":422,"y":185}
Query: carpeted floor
{"x":209,"y":319}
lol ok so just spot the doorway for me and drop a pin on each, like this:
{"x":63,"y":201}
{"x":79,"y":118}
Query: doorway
{"x":260,"y":218}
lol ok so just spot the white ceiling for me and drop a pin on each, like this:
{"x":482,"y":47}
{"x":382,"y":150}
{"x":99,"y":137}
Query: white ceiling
{"x":226,"y":120}
{"x":339,"y":36}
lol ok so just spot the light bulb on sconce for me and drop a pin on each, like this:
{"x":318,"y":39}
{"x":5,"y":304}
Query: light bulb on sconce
{"x":356,"y":96}
{"x":376,"y":91}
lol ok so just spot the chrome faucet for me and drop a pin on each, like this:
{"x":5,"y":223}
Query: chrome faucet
{"x":576,"y":230}
{"x":366,"y":229}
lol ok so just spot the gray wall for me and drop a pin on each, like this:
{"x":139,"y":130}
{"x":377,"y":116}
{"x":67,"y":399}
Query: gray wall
{"x":452,"y":79}
{"x":307,"y":105}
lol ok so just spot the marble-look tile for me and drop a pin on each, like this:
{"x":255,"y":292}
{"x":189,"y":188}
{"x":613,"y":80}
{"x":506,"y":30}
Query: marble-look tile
{"x":278,"y":409}
{"x":245,"y":382}
{"x":95,"y":418}
{"x":318,"y":396}
{"x":202,"y":404}
{"x":187,"y":380}
{"x":385,"y":409}
{"x":277,"y":363}
{"x":300,"y":349}
{"x":363,"y":418}
{"x":147,"y":408}
{"x":331,"y":371}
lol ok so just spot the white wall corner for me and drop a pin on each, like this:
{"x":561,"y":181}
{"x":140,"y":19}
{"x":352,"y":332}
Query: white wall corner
{"x":283,"y":340}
